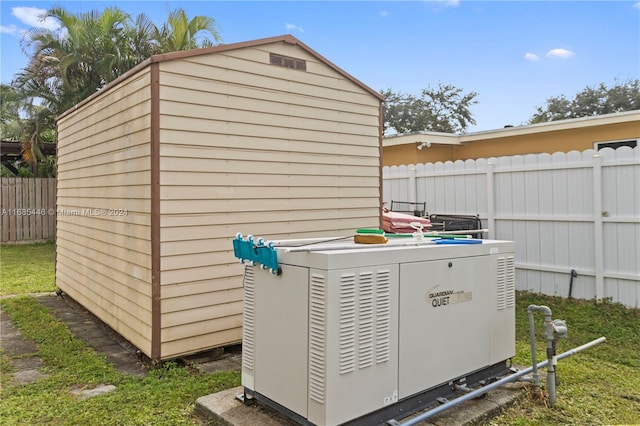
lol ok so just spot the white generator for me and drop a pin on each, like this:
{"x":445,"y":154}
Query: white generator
{"x":348,"y":333}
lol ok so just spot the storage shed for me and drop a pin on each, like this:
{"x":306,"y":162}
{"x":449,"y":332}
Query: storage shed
{"x":161,"y":168}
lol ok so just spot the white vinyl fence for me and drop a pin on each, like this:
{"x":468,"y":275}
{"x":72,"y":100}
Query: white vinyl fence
{"x":567,"y":211}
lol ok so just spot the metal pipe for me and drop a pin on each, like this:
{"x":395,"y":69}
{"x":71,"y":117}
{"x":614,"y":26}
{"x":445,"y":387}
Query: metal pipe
{"x":550,"y":337}
{"x":534,"y":358}
{"x":551,"y":372}
{"x":556,"y":330}
{"x":489,"y":387}
{"x":551,"y":357}
{"x":574,"y":274}
{"x":532,"y":336}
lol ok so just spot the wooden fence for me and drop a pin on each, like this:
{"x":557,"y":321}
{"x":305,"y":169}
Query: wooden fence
{"x":576,"y":211}
{"x":27,"y":210}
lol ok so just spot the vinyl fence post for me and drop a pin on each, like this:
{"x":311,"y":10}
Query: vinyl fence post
{"x":598,"y":240}
{"x":491,"y":208}
{"x":412,"y":184}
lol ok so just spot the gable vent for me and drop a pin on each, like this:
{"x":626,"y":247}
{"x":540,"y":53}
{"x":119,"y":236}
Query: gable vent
{"x":287,"y":62}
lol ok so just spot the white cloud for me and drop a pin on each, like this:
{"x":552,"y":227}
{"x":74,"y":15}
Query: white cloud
{"x":560,"y":53}
{"x":11,"y":29}
{"x":452,"y":3}
{"x":531,"y":56}
{"x":637,"y":5}
{"x":293,"y":27}
{"x":384,"y":13}
{"x":33,"y":17}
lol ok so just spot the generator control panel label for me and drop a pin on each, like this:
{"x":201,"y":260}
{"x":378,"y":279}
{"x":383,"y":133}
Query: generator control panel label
{"x":447,"y":297}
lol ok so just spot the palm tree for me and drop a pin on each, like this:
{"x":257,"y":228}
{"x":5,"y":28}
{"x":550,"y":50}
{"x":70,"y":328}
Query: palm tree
{"x":37,"y":128}
{"x":87,"y":52}
{"x":24,"y":121}
{"x":141,"y":40}
{"x":70,"y":64}
{"x":180,"y":33}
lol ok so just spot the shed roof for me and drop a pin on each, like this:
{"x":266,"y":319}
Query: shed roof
{"x":287,"y":38}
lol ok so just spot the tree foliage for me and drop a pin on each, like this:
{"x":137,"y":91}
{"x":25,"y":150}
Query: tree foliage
{"x":441,"y":109}
{"x":599,"y":100}
{"x":27,"y":122}
{"x":94,"y":48}
{"x":180,"y":33}
{"x":10,"y":104}
{"x":88,"y":51}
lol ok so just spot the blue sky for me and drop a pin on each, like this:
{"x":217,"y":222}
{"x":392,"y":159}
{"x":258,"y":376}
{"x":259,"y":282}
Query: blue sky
{"x":515,"y":54}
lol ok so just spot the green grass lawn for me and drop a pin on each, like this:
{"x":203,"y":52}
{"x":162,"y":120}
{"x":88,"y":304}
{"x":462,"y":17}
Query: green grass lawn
{"x":598,"y":386}
{"x":27,"y":268}
{"x":166,"y":396}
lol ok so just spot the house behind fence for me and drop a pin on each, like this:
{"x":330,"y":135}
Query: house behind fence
{"x":576,"y":211}
{"x":28,"y":210}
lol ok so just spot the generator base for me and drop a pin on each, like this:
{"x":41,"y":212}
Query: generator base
{"x":403,"y":408}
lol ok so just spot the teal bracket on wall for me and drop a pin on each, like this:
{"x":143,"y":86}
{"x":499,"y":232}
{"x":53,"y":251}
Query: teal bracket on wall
{"x":256,"y":253}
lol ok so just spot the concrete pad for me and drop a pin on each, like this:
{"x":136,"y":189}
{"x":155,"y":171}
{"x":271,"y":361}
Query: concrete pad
{"x":11,"y":341}
{"x":24,"y":377}
{"x":94,"y":333}
{"x":126,"y":363}
{"x":18,"y":347}
{"x":26,"y":363}
{"x":90,"y":393}
{"x":224,"y":408}
{"x":481,"y":409}
{"x":220,"y":365}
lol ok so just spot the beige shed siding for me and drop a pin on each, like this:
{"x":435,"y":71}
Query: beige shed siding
{"x":246,"y":146}
{"x":103,"y":228}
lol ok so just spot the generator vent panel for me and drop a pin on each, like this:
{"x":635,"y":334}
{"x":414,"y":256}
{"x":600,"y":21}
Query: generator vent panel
{"x":365,"y":320}
{"x":506,"y":283}
{"x":248,"y":329}
{"x":347,"y":323}
{"x":317,"y":327}
{"x":383,"y":316}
